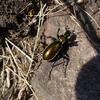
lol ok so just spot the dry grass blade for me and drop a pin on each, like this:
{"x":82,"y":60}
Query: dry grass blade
{"x":3,"y":73}
{"x":21,"y":92}
{"x":3,"y":56}
{"x":55,"y":7}
{"x":12,"y":54}
{"x":75,"y":19}
{"x":14,"y":68}
{"x":8,"y":77}
{"x":24,"y":80}
{"x":58,"y":2}
{"x":19,"y":50}
{"x":25,"y":7}
{"x":41,"y":18}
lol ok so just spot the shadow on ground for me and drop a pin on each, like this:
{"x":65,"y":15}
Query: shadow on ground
{"x":88,"y":81}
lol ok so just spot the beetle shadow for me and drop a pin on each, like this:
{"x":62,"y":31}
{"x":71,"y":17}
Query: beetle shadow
{"x":63,"y":53}
{"x":88,"y":81}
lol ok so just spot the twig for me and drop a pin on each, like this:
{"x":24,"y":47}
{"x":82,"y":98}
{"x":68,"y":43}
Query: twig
{"x":8,"y":77}
{"x":2,"y":57}
{"x":12,"y":54}
{"x":25,"y":7}
{"x":25,"y":82}
{"x":38,"y":31}
{"x":75,"y":20}
{"x":19,"y":50}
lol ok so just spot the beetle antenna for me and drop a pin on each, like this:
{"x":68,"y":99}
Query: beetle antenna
{"x":58,"y":29}
{"x":58,"y":32}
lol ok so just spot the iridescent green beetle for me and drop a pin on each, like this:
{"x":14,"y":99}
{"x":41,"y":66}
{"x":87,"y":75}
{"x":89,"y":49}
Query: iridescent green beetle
{"x":52,"y":50}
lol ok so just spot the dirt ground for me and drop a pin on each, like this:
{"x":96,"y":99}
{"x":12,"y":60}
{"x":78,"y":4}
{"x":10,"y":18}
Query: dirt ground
{"x":79,"y":80}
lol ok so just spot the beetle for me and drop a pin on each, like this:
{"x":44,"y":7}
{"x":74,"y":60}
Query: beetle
{"x":53,"y":50}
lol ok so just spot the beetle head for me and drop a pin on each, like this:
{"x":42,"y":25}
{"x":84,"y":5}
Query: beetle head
{"x":67,"y":34}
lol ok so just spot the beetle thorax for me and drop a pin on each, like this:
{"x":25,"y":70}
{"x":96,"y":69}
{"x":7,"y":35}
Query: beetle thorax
{"x":62,"y":38}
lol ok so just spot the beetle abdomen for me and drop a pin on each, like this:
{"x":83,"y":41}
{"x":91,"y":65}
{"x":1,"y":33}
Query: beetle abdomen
{"x":52,"y":50}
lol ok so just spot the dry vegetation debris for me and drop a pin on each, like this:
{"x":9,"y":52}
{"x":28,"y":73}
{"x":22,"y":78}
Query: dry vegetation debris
{"x":27,"y":27}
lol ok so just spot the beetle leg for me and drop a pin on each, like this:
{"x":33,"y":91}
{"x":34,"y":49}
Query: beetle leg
{"x":51,"y":70}
{"x":43,"y":40}
{"x":75,"y":43}
{"x":53,"y":66}
{"x":65,"y":57}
